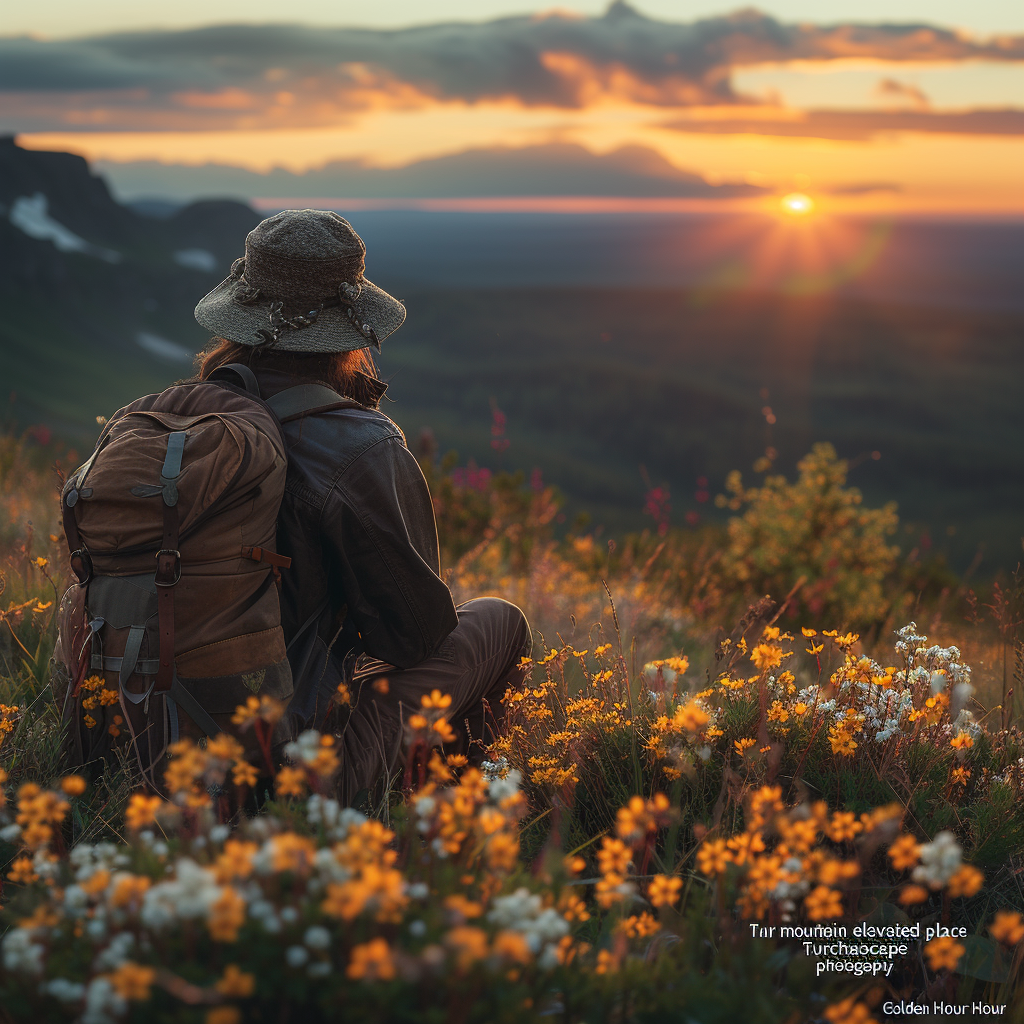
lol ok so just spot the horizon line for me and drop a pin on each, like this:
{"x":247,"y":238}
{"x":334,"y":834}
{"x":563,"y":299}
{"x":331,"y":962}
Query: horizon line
{"x":562,"y":204}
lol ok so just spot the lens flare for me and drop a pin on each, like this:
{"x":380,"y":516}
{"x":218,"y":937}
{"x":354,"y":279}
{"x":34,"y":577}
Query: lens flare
{"x":796,"y":204}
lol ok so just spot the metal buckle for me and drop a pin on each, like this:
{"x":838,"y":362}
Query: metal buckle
{"x":168,"y":562}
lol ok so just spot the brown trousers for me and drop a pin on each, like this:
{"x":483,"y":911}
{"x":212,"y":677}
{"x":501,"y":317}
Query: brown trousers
{"x":474,"y":664}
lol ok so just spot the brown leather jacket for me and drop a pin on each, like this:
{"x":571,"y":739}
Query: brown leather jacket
{"x":358,"y":524}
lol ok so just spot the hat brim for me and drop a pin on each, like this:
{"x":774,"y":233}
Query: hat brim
{"x":224,"y":315}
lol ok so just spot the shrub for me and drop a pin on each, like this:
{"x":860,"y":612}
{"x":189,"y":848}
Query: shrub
{"x":811,"y":538}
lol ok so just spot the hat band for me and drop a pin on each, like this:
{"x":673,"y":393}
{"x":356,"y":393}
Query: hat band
{"x":346,"y":296}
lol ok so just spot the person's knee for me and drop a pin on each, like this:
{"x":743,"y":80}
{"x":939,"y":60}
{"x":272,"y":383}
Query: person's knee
{"x":512,"y":623}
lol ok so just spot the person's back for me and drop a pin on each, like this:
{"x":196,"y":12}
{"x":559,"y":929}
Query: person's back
{"x":362,"y":600}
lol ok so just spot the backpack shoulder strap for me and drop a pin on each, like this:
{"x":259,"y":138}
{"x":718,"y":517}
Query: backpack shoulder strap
{"x":306,"y":399}
{"x":242,"y":372}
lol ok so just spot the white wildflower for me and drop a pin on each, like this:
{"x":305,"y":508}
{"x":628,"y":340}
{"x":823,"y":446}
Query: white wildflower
{"x":522,"y":912}
{"x":20,"y":953}
{"x":65,"y":991}
{"x":548,"y":959}
{"x":219,"y":833}
{"x":187,"y":895}
{"x":503,"y":788}
{"x":940,"y":860}
{"x":305,"y":748}
{"x":102,"y":1003}
{"x":495,"y":769}
{"x":296,"y":956}
{"x":317,"y":937}
{"x":116,"y":952}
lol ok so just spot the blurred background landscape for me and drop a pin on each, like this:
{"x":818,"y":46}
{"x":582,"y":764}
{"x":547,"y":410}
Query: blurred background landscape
{"x":639,"y":248}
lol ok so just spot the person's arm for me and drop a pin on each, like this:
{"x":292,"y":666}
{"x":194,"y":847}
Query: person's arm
{"x":379,"y":524}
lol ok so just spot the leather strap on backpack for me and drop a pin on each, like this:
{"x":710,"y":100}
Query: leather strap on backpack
{"x":306,"y":400}
{"x":272,"y":558}
{"x":292,"y":403}
{"x":168,"y":559}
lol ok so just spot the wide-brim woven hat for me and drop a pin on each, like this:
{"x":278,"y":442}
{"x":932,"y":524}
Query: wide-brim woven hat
{"x":300,"y":287}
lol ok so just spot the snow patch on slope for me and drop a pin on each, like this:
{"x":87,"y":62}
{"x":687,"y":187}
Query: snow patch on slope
{"x":196,"y":259}
{"x":170,"y":351}
{"x":31,"y":215}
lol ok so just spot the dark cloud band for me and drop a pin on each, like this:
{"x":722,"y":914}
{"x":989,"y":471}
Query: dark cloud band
{"x":216,"y":77}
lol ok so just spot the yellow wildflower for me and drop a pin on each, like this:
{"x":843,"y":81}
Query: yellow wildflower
{"x":73,"y":785}
{"x":638,"y":926}
{"x":21,"y":872}
{"x":844,"y":826}
{"x":966,"y":881}
{"x":944,"y":952}
{"x":371,"y":961}
{"x":713,"y":857}
{"x":573,"y":907}
{"x":236,"y":983}
{"x":912,"y":894}
{"x":290,"y":781}
{"x":133,"y":981}
{"x":223,"y":1015}
{"x":468,"y":943}
{"x":823,"y":903}
{"x":435,"y":699}
{"x":664,"y":891}
{"x":244,"y":774}
{"x":766,"y":656}
{"x":226,"y":915}
{"x":129,"y":889}
{"x":613,"y":857}
{"x":849,"y":1011}
{"x":235,"y":860}
{"x":141,"y":810}
{"x":510,"y":945}
{"x":1007,"y":927}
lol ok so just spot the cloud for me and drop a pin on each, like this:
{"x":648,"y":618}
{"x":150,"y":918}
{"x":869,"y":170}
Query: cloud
{"x":557,"y":169}
{"x":893,"y":89}
{"x":859,"y":125}
{"x":254,"y":76}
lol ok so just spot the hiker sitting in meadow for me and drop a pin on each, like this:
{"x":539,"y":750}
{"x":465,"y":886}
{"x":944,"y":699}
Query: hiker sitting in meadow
{"x":361,"y":604}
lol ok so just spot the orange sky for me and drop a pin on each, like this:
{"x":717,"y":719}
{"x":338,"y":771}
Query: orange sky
{"x":935,"y":129}
{"x":926,"y":170}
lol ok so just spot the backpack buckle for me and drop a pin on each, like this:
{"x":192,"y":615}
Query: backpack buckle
{"x":168,"y":567}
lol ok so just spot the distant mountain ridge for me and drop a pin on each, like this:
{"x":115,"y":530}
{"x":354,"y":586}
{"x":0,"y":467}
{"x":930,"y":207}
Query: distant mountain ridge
{"x":547,"y":169}
{"x":98,"y":298}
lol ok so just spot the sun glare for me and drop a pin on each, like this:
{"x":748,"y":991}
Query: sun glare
{"x":796,"y":204}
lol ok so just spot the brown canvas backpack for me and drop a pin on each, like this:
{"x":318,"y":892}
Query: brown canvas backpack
{"x":171,"y":524}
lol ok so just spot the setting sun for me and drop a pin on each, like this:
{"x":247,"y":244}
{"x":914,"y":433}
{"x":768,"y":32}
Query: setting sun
{"x":796,"y":204}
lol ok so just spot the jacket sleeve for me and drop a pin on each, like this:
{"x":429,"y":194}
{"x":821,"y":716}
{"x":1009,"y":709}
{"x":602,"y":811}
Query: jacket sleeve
{"x":378,"y":523}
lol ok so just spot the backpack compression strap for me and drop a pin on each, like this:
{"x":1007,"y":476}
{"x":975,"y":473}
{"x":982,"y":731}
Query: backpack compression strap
{"x":168,"y":559}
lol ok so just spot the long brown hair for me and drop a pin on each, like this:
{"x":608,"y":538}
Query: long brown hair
{"x":352,"y":374}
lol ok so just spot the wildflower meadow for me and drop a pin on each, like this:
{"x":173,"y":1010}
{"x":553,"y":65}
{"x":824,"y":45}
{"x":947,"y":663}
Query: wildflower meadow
{"x":768,"y":769}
